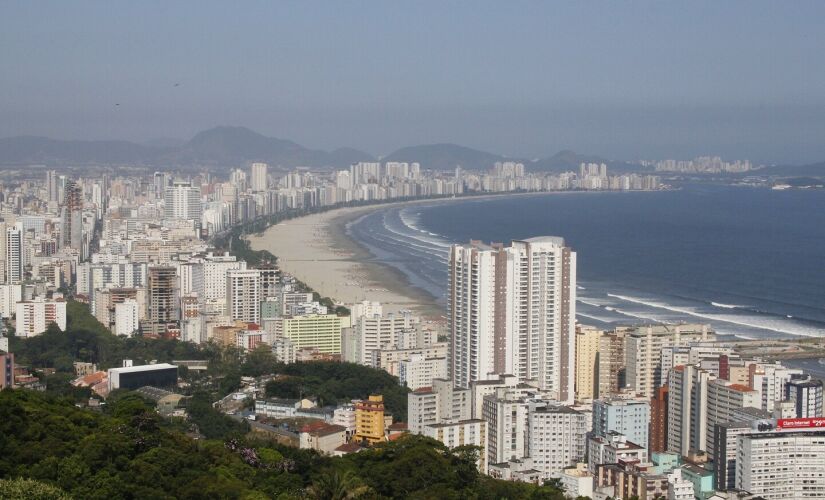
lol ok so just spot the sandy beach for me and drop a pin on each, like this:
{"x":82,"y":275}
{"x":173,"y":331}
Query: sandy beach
{"x":316,"y":250}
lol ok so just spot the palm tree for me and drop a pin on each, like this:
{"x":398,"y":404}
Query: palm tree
{"x":338,"y":486}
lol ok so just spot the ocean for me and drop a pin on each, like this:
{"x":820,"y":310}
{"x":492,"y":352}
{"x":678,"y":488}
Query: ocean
{"x":750,"y":261}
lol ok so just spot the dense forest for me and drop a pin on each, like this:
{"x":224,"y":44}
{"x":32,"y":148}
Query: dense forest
{"x":51,"y":449}
{"x":333,"y":383}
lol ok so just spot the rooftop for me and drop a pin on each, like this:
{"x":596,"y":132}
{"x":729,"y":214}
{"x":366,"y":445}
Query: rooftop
{"x":142,"y":368}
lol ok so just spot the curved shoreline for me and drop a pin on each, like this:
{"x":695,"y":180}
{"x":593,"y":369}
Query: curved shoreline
{"x":317,"y":250}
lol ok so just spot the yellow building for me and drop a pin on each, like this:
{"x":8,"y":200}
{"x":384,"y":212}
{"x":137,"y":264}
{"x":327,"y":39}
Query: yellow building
{"x":369,"y":420}
{"x":322,"y":331}
{"x":587,"y":349}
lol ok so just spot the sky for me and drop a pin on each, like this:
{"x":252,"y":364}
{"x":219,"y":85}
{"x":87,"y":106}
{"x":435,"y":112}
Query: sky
{"x":625,"y":80}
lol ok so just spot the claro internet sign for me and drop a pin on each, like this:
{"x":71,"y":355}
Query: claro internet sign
{"x":799,"y":423}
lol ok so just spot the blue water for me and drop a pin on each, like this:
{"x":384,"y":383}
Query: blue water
{"x":749,"y":261}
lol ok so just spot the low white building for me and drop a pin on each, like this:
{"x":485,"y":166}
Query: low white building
{"x":34,"y":316}
{"x":461,"y":433}
{"x":345,"y":417}
{"x":612,"y":448}
{"x":557,"y":437}
{"x":679,"y":488}
{"x":277,"y":408}
{"x":419,"y":371}
{"x":577,"y":481}
{"x":284,"y":350}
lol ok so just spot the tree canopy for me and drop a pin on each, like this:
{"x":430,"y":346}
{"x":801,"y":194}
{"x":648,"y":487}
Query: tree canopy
{"x":54,"y":450}
{"x":334,"y":383}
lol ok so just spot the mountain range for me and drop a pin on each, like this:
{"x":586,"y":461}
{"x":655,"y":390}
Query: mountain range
{"x":235,"y":146}
{"x":224,"y":147}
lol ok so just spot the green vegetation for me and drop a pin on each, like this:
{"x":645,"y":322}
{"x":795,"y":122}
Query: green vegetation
{"x":53,"y":450}
{"x":335,"y":382}
{"x":28,"y":489}
{"x":86,"y":339}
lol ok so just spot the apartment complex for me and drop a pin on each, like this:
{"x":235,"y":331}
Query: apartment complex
{"x":512,"y":310}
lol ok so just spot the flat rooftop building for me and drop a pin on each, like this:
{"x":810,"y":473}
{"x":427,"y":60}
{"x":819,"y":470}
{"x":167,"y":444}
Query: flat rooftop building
{"x":134,"y":377}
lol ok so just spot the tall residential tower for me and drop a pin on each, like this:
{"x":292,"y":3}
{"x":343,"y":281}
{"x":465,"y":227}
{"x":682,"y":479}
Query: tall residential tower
{"x":512,"y":310}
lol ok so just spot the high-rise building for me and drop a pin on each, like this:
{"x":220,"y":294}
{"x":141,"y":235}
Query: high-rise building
{"x":724,"y":459}
{"x":805,"y":394}
{"x":321,"y":331}
{"x":512,"y":310}
{"x":477,"y":312}
{"x":770,"y":379}
{"x":259,"y":179}
{"x":126,"y":318}
{"x":505,"y":412}
{"x":557,"y":437}
{"x":659,"y":420}
{"x":782,"y":465}
{"x":587,"y":357}
{"x":419,"y":371}
{"x":243,"y":295}
{"x":183,"y":201}
{"x":4,"y":265}
{"x":163,"y":299}
{"x":724,"y":399}
{"x":14,"y":254}
{"x":611,"y":363}
{"x":643,"y":352}
{"x":52,"y":186}
{"x":377,"y":332}
{"x":72,"y":215}
{"x":628,"y":416}
{"x":437,"y":404}
{"x":542,"y":288}
{"x":687,"y":409}
{"x":698,"y":401}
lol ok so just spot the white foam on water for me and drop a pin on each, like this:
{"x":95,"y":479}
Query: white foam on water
{"x":750,"y":321}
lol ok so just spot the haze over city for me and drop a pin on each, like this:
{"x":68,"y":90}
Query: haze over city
{"x":434,"y":250}
{"x":524,"y":79}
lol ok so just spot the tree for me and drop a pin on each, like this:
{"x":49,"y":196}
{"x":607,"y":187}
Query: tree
{"x":28,"y":489}
{"x":337,"y":485}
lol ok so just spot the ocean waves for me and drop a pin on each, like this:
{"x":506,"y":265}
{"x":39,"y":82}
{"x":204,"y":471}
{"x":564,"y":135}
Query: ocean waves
{"x":619,"y":287}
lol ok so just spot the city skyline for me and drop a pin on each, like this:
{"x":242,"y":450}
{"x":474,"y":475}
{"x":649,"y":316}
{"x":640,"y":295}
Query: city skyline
{"x":456,"y":249}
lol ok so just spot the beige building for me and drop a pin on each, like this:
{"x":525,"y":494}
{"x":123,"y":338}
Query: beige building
{"x":322,"y":437}
{"x":643,"y":352}
{"x":587,"y":350}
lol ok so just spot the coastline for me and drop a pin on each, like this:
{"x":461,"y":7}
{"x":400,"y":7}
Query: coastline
{"x":317,"y":250}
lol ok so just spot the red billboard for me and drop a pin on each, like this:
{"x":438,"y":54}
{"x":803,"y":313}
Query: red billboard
{"x":799,"y":423}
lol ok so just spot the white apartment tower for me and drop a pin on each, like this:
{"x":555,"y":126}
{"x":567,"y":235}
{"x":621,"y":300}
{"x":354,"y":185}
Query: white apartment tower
{"x":14,"y":254}
{"x":182,"y":201}
{"x":126,"y":318}
{"x":543,"y":292}
{"x":477,"y":312}
{"x":259,"y":181}
{"x":243,"y":295}
{"x":512,"y":310}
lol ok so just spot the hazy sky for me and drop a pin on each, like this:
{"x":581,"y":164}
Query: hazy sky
{"x":621,"y":79}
